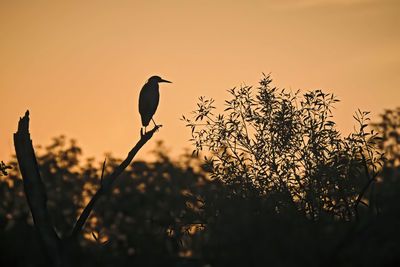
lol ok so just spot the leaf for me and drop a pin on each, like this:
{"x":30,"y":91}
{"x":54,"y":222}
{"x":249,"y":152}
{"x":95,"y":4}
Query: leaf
{"x":363,"y":126}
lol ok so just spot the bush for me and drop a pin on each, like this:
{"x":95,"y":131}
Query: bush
{"x":286,"y":146}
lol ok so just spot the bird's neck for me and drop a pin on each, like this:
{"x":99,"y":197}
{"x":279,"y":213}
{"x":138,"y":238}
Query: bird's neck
{"x":154,"y":84}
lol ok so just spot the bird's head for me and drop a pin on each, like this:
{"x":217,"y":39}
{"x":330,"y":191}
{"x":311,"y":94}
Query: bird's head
{"x":158,"y":79}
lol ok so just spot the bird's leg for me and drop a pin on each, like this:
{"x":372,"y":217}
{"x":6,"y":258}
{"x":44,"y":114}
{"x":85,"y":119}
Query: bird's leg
{"x":155,"y":125}
{"x":141,"y":131}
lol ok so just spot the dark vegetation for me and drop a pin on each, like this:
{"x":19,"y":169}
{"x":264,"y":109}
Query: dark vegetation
{"x":280,"y":187}
{"x":3,"y":168}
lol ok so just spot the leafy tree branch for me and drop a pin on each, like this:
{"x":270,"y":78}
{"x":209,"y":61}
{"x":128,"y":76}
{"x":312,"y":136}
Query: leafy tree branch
{"x":279,"y":141}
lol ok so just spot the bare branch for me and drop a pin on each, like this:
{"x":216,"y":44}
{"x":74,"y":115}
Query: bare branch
{"x":107,"y":182}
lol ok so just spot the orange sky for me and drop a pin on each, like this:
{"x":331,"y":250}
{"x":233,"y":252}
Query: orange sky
{"x":78,"y":66}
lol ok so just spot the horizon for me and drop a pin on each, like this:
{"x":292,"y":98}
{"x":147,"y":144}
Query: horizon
{"x":79,"y":67}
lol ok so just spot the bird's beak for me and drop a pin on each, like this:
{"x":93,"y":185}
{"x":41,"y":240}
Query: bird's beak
{"x":164,"y":81}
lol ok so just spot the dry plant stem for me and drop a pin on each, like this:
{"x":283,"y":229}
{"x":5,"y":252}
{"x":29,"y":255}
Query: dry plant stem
{"x":35,"y":191}
{"x":107,"y":182}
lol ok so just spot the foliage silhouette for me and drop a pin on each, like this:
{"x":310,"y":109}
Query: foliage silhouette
{"x":224,"y":212}
{"x":3,"y":168}
{"x":300,"y":193}
{"x":389,"y":130}
{"x":170,"y":214}
{"x":149,"y":218}
{"x":282,"y":144}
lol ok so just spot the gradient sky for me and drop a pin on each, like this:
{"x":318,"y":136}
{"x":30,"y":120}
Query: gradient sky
{"x":78,"y":66}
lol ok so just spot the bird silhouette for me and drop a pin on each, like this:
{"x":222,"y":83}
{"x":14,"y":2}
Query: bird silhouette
{"x":148,"y":100}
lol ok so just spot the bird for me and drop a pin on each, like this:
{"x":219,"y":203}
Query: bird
{"x":148,"y":100}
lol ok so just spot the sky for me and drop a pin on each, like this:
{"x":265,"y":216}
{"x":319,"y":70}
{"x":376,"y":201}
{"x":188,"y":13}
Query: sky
{"x":78,"y":66}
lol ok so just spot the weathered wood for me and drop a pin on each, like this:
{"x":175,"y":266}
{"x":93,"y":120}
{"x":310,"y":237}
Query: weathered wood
{"x":35,"y":191}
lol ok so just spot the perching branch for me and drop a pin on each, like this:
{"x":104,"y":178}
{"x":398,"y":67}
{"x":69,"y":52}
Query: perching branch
{"x":35,"y":191}
{"x":106,"y":183}
{"x":57,"y":250}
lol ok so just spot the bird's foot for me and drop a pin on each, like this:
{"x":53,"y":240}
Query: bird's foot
{"x":155,"y":129}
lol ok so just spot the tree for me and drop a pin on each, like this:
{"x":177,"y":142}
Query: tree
{"x":296,"y":191}
{"x":386,"y":191}
{"x":389,"y":130}
{"x":152,"y":216}
{"x":172,"y":213}
{"x":286,"y":146}
{"x":60,"y":252}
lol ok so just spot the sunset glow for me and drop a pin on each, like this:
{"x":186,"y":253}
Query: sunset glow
{"x":78,"y":66}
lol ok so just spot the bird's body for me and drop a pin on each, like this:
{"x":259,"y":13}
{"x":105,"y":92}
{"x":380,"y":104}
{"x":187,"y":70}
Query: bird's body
{"x":148,"y":102}
{"x":149,"y":98}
